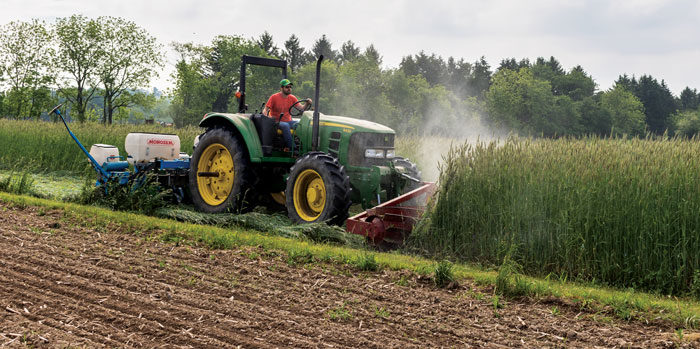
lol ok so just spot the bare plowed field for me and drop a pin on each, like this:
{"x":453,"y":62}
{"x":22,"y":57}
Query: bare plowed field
{"x":62,"y":284}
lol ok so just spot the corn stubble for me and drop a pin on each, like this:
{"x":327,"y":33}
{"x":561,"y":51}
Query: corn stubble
{"x":622,"y":212}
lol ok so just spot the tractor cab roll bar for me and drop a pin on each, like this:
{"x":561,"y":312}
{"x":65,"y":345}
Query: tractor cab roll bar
{"x":265,"y":62}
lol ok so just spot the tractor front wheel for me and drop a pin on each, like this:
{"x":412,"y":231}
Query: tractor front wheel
{"x":219,"y":177}
{"x":318,"y":190}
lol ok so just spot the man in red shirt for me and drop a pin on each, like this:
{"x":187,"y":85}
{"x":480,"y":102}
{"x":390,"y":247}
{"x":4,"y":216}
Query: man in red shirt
{"x":279,"y":104}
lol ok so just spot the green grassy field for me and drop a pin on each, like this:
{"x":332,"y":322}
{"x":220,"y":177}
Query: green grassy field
{"x":47,"y":147}
{"x":611,"y":211}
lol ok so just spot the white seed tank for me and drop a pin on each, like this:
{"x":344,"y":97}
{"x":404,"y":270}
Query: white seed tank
{"x":146,"y":147}
{"x":101,"y":153}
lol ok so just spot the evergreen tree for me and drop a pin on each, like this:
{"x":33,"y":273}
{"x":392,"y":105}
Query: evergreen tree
{"x":658,"y":103}
{"x":458,"y":77}
{"x":408,"y":66}
{"x":432,"y":68}
{"x":549,"y":70}
{"x":349,"y":51}
{"x":689,"y":99}
{"x":372,"y":54}
{"x":512,"y":64}
{"x":576,"y":84}
{"x":481,"y":77}
{"x":267,"y":44}
{"x":508,"y":63}
{"x":628,"y":83}
{"x":323,"y":46}
{"x":293,"y":53}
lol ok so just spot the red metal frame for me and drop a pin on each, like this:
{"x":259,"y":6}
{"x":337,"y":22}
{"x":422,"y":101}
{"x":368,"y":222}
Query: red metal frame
{"x":391,"y":220}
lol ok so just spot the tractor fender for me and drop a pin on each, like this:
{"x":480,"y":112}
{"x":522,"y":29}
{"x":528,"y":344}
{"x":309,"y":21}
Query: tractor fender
{"x":241,"y":126}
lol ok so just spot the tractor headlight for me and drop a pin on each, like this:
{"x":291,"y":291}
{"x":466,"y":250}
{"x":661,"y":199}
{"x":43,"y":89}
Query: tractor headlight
{"x":390,"y":153}
{"x":374,"y":153}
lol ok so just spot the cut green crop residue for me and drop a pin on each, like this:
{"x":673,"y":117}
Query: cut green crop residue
{"x":275,"y":224}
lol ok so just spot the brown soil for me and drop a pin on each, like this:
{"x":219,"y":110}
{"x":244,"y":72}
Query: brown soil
{"x":62,"y":284}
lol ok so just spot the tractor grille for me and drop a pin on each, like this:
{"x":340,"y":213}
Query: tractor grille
{"x":362,"y":140}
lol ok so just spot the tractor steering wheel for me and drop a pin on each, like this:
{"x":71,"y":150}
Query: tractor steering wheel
{"x":296,"y":109}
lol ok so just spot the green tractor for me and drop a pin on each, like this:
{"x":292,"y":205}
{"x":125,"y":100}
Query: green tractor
{"x":240,"y":160}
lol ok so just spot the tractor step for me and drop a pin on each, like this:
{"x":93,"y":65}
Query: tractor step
{"x":393,"y":220}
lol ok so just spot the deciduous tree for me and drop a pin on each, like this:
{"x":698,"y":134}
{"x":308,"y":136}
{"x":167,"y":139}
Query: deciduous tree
{"x":520,"y":102}
{"x":25,"y":53}
{"x":626,"y":111}
{"x":78,"y":58}
{"x":130,"y":60}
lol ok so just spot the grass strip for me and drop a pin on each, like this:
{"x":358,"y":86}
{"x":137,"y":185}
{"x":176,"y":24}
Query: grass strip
{"x":682,"y":313}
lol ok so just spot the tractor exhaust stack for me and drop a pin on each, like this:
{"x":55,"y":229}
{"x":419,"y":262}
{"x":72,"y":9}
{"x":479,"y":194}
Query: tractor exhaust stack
{"x":314,"y":132}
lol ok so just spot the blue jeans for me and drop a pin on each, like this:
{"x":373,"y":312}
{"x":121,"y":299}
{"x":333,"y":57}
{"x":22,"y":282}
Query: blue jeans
{"x":286,"y":133}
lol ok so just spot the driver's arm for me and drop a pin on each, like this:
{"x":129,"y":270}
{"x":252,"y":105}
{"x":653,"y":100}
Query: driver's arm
{"x":266,"y":111}
{"x":306,"y":101}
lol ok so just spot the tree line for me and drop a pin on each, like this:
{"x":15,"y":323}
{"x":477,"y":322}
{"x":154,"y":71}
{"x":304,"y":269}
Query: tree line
{"x":76,"y":59}
{"x":427,"y":93}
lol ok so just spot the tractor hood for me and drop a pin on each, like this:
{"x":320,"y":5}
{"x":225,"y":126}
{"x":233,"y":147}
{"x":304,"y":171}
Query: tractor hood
{"x":351,"y":123}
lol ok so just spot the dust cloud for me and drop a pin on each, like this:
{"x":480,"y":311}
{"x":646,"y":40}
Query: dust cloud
{"x":442,"y":132}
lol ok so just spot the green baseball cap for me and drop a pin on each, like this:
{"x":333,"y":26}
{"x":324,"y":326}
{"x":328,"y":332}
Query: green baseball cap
{"x":285,"y":82}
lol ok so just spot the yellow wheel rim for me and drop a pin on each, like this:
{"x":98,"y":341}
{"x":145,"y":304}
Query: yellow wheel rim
{"x":216,"y":189}
{"x":309,"y":195}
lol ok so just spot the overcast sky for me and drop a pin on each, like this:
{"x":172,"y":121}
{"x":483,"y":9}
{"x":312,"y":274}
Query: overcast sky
{"x":607,"y":38}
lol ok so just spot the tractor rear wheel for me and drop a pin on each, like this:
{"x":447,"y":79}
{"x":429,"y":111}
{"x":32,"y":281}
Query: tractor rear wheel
{"x":318,"y":190}
{"x":220,"y":173}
